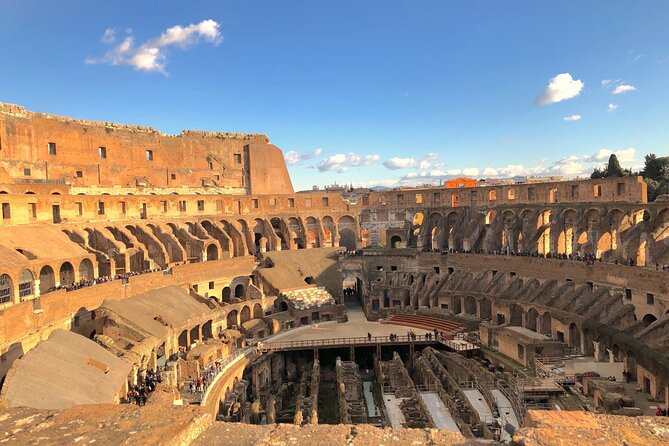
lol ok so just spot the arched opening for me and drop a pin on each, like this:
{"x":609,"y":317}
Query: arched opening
{"x":86,"y":271}
{"x":456,"y":307}
{"x":239,"y":291}
{"x":516,"y":315}
{"x":546,"y":324}
{"x":6,"y":289}
{"x":257,"y":311}
{"x":194,"y":334}
{"x":648,"y":319}
{"x":486,"y":309}
{"x":231,"y":318}
{"x":574,"y":336}
{"x":245,"y":314}
{"x":278,"y":230}
{"x":212,"y":252}
{"x":183,"y":339}
{"x":26,"y":284}
{"x":395,"y":242}
{"x":309,"y":280}
{"x":531,"y":319}
{"x":226,"y":295}
{"x":47,"y":279}
{"x":347,"y":239}
{"x":207,"y":332}
{"x":66,"y":274}
{"x":283,"y":306}
{"x":470,"y":305}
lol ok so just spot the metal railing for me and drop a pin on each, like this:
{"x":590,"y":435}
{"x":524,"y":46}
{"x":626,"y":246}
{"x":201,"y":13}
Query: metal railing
{"x":335,"y":342}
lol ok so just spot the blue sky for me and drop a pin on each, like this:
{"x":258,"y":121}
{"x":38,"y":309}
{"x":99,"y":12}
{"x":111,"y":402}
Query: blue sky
{"x":370,"y":92}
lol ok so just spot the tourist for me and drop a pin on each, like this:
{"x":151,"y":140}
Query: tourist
{"x":369,"y":336}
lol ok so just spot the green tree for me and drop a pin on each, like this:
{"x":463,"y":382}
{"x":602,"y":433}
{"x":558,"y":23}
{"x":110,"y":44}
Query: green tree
{"x":612,"y":170}
{"x":656,"y":174}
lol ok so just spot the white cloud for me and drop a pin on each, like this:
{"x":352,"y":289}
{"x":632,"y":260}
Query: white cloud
{"x":292,"y":157}
{"x":607,"y":82}
{"x":602,"y":155}
{"x":424,"y":164}
{"x":573,"y":118}
{"x":611,"y":107}
{"x":470,"y":171}
{"x":560,"y":88}
{"x":399,"y":163}
{"x":569,"y":165}
{"x":152,"y":54}
{"x":109,"y":36}
{"x":622,"y":88}
{"x":340,"y":162}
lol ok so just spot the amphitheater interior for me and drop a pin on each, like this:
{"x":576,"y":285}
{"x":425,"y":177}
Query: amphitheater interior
{"x":175,"y":289}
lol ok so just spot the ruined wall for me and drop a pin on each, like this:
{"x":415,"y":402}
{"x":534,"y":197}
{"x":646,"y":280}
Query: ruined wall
{"x":37,"y":146}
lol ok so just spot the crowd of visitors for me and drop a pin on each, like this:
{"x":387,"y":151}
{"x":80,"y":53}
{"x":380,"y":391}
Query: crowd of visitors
{"x":83,"y":283}
{"x":588,"y":258}
{"x":202,"y":382}
{"x":138,"y":394}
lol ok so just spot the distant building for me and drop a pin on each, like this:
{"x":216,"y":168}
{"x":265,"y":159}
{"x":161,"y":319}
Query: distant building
{"x":460,"y":182}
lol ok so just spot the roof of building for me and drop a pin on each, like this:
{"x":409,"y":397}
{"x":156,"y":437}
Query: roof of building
{"x":528,"y":334}
{"x":292,"y":267}
{"x":171,"y":305}
{"x":63,"y":371}
{"x":40,"y":243}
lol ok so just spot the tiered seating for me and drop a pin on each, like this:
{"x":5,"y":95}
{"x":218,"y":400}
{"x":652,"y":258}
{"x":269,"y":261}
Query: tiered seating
{"x":305,"y":298}
{"x":425,"y":322}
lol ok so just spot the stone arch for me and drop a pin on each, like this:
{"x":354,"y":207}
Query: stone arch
{"x":417,"y":222}
{"x":240,"y":290}
{"x":86,"y":270}
{"x":516,"y":312}
{"x":231,"y":318}
{"x":296,"y":234}
{"x":225,"y":295}
{"x":546,"y":325}
{"x":395,"y":241}
{"x":212,"y":252}
{"x":313,"y":236}
{"x":257,"y":311}
{"x":6,"y":289}
{"x":456,"y":307}
{"x":470,"y":305}
{"x":347,"y":236}
{"x":183,"y":339}
{"x":648,"y":319}
{"x":574,"y":336}
{"x":486,"y":308}
{"x":260,"y":239}
{"x":531,"y":319}
{"x":245,"y":314}
{"x":207,"y":331}
{"x":328,"y":230}
{"x":26,"y":284}
{"x":66,"y":274}
{"x":278,"y":227}
{"x":47,"y":279}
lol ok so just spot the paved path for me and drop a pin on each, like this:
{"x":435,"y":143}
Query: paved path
{"x":506,"y":414}
{"x":357,"y":326}
{"x":440,"y":415}
{"x":393,"y":409}
{"x":479,"y":404}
